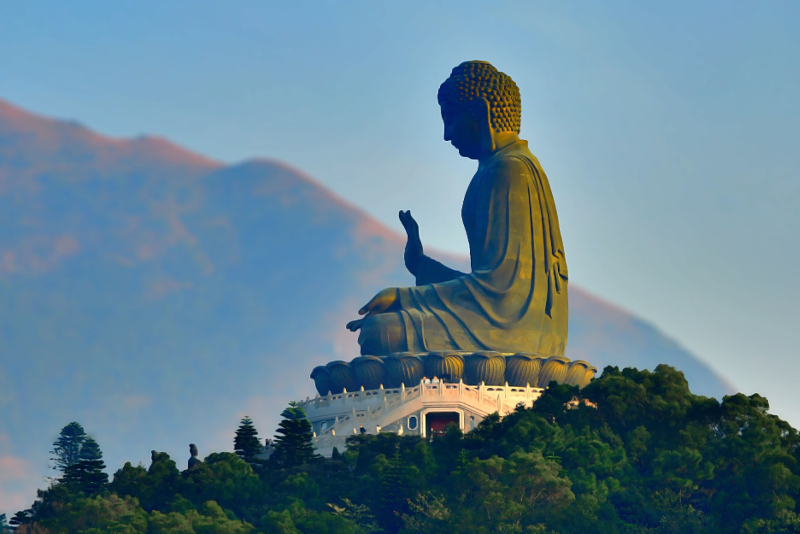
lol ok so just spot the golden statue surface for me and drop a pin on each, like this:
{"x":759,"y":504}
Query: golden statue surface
{"x":515,"y":298}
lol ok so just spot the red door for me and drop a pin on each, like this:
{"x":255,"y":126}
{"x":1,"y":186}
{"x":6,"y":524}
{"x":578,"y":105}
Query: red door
{"x":438,"y":421}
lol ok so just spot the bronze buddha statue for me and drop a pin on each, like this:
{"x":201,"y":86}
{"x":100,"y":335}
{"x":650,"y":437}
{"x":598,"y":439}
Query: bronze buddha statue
{"x":515,"y":298}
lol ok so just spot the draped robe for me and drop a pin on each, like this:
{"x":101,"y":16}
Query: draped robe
{"x":515,"y":298}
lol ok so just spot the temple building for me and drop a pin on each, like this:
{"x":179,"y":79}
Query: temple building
{"x":369,"y":395}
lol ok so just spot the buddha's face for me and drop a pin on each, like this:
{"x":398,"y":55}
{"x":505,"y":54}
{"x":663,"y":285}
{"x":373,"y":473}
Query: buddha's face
{"x":465,"y":130}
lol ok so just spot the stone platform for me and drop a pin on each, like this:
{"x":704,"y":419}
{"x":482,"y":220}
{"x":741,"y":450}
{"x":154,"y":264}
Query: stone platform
{"x":422,"y":393}
{"x":423,"y":410}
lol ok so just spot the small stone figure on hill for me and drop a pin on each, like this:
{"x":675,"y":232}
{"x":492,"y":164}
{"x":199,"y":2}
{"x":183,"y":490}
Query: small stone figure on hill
{"x":193,"y":461}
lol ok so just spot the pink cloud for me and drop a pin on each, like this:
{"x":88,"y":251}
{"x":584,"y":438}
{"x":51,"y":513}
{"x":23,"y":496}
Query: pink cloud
{"x":13,"y":468}
{"x":18,"y":481}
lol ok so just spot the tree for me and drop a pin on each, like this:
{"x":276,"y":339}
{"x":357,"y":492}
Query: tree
{"x":87,"y":474}
{"x":67,"y":448}
{"x":23,"y":517}
{"x":246,"y":444}
{"x":395,"y":490}
{"x":293,"y":445}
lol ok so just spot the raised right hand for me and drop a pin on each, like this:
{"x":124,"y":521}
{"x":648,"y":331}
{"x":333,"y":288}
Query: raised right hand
{"x":413,"y":253}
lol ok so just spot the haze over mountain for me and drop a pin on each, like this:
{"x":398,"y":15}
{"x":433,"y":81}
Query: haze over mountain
{"x":157,"y":296}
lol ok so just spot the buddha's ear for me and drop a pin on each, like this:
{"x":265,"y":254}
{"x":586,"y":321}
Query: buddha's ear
{"x":483,"y":113}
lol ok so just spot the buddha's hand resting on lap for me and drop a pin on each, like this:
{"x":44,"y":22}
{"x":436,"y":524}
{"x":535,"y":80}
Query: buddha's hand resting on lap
{"x":386,"y":300}
{"x":413,"y":253}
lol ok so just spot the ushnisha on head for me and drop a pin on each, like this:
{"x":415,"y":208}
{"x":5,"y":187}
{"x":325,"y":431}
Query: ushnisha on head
{"x":481,"y":108}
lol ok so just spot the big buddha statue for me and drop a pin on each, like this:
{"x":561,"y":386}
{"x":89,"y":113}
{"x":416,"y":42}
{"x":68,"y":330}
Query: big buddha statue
{"x":515,"y":297}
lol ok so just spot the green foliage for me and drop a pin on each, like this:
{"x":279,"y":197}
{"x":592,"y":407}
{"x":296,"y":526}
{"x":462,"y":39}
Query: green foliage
{"x":67,"y":448}
{"x":357,"y":513}
{"x":152,"y":487}
{"x":87,"y":474}
{"x":293,"y":443}
{"x":209,"y":519}
{"x":633,"y":452}
{"x":224,"y":478}
{"x":246,"y":443}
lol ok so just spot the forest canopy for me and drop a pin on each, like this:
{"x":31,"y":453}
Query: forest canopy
{"x":632,"y":452}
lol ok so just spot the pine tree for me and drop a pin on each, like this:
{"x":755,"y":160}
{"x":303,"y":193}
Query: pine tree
{"x":246,"y":443}
{"x":87,"y":474}
{"x":395,"y":491}
{"x":67,"y":448}
{"x":293,"y":445}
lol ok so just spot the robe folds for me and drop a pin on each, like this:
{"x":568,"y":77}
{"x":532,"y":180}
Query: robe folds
{"x":515,"y":298}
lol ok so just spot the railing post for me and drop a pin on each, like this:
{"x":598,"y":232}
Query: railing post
{"x":402,"y":392}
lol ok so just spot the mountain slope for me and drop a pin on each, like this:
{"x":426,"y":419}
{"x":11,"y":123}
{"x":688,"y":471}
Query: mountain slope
{"x":156,"y":296}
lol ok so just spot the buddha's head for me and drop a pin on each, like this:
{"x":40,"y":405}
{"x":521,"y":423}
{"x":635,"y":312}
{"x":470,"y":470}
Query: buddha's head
{"x":193,"y":449}
{"x":479,"y":106}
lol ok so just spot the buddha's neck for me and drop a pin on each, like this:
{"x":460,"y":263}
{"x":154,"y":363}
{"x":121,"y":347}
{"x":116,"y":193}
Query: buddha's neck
{"x":501,"y":141}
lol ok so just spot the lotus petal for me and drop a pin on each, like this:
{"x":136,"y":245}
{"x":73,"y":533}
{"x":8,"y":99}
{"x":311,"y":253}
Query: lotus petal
{"x":341,"y":377}
{"x":580,"y":373}
{"x":554,"y":368}
{"x":322,"y":380}
{"x":488,"y":367}
{"x":368,"y":371}
{"x":444,"y":365}
{"x":402,"y":368}
{"x":523,"y":369}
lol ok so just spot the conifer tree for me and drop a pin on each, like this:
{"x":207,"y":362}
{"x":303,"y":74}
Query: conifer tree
{"x":87,"y":474}
{"x":395,"y":491}
{"x":67,"y":448}
{"x":293,"y":442}
{"x":246,"y":444}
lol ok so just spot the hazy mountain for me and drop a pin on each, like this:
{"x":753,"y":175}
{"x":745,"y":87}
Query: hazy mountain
{"x":157,"y":296}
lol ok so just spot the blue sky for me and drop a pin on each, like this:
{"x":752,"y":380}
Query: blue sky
{"x":668,"y":130}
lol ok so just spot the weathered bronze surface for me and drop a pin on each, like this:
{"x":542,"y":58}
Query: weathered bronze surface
{"x":515,"y":298}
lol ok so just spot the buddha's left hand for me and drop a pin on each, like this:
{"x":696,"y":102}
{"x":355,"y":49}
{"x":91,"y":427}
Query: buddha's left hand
{"x":386,"y":300}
